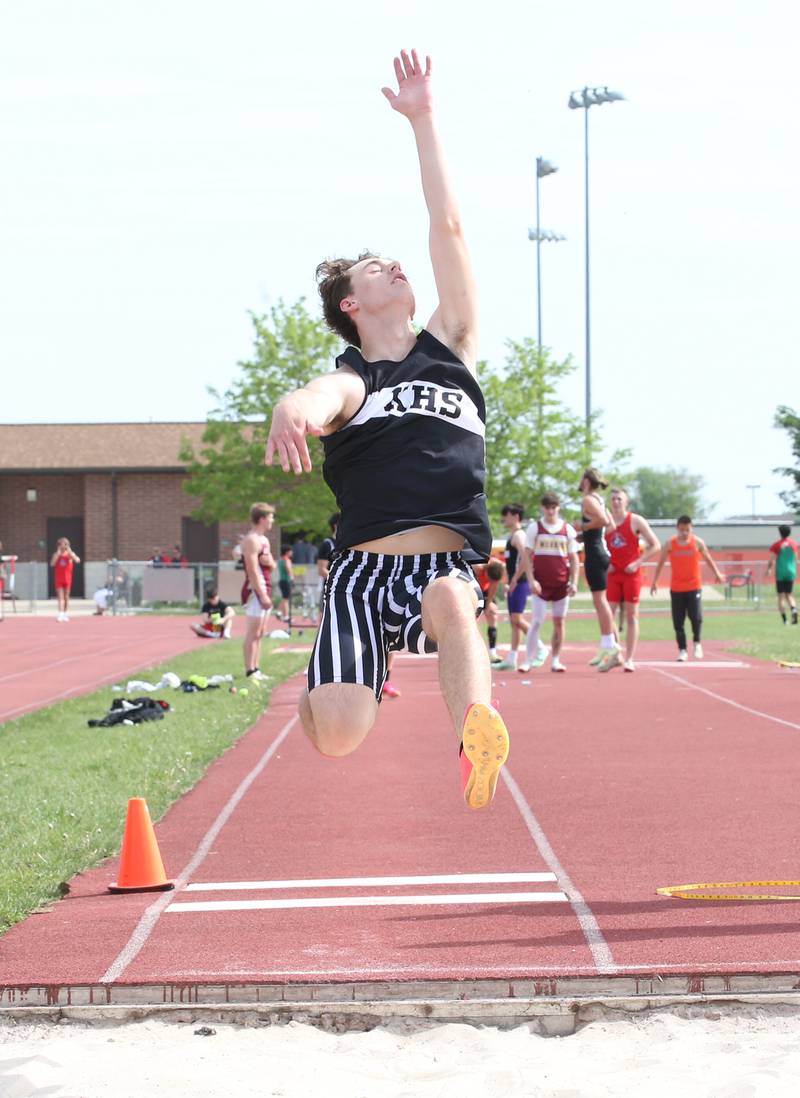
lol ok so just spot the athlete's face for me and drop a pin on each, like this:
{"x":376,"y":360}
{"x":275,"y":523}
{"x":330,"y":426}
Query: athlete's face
{"x":511,"y":521}
{"x":684,"y":531}
{"x":550,"y":512}
{"x":619,"y":504}
{"x":378,"y":285}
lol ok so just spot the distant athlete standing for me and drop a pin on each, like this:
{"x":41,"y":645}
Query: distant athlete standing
{"x":685,"y":552}
{"x":403,"y":426}
{"x":63,"y":562}
{"x":784,"y":560}
{"x":518,"y":590}
{"x":625,"y":569}
{"x":257,"y":588}
{"x":594,"y":520}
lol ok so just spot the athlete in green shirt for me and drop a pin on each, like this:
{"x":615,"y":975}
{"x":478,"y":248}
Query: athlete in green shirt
{"x":784,"y":561}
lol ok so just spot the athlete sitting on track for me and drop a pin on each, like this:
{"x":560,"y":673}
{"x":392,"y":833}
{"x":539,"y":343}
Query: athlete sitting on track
{"x":217,"y":617}
{"x":402,"y":420}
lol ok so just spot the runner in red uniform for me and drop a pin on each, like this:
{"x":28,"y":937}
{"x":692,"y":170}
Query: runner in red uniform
{"x":625,"y":570}
{"x":63,"y":562}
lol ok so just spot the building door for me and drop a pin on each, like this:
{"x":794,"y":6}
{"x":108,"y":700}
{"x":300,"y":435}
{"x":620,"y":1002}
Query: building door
{"x":71,"y":528}
{"x":198,"y":541}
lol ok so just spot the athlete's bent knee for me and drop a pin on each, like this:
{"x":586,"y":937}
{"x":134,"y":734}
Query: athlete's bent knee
{"x":446,"y":599}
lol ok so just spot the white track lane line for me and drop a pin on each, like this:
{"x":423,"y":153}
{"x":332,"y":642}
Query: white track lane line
{"x":600,"y":950}
{"x":727,"y":701}
{"x":424,"y":899}
{"x":374,"y":882}
{"x":42,"y":669}
{"x":697,"y":665}
{"x":144,"y":928}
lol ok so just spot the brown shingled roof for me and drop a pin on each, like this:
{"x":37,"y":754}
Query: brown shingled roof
{"x":94,"y":446}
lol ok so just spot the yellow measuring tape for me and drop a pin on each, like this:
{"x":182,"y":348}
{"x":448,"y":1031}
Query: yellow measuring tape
{"x":788,"y":663}
{"x":692,"y":892}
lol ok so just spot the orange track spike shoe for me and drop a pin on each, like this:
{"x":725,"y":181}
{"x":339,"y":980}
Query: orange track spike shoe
{"x":484,"y":749}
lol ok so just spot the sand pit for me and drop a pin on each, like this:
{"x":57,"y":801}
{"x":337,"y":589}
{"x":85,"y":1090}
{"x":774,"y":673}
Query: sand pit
{"x":696,"y":1051}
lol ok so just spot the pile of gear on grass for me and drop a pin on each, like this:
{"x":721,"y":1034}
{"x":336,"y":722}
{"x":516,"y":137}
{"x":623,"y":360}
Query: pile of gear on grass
{"x":139,"y":710}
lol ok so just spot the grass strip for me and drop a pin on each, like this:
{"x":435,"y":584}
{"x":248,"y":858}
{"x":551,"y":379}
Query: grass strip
{"x":64,"y":787}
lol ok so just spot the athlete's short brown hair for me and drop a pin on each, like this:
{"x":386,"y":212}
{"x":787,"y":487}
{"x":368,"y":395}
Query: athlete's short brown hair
{"x":494,"y":570}
{"x":260,"y":510}
{"x":550,"y":499}
{"x":333,"y":283}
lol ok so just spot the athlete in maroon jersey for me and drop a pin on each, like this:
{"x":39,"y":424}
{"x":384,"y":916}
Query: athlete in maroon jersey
{"x":257,"y":588}
{"x":63,"y":562}
{"x":551,"y":565}
{"x":624,"y":571}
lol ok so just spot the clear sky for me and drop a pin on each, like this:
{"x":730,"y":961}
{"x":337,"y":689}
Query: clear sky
{"x":169,"y":167}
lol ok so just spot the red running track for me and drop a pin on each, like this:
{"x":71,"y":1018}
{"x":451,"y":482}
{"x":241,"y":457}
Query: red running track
{"x":43,"y":661}
{"x":616,"y":784}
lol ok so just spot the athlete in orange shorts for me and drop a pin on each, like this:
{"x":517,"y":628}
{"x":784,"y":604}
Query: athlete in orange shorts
{"x":625,"y":569}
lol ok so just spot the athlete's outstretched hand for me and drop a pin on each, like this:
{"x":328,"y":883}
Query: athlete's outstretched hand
{"x":414,"y":86}
{"x":287,"y":436}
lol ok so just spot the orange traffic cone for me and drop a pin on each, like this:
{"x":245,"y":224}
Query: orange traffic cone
{"x":140,"y":866}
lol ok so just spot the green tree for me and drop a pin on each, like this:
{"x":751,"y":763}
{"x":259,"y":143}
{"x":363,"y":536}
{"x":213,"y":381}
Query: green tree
{"x":228,"y":473}
{"x":789,"y":421}
{"x":534,"y":443}
{"x":666,"y":493}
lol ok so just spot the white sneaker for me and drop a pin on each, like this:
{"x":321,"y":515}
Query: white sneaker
{"x":258,"y":676}
{"x":613,"y":658}
{"x":523,"y":667}
{"x":683,"y":656}
{"x":629,"y":665}
{"x":556,"y":664}
{"x":698,"y":651}
{"x":541,"y":656}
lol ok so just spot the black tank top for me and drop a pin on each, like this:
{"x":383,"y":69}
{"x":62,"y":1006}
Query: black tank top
{"x":594,"y":543}
{"x":512,"y":558}
{"x":413,"y":454}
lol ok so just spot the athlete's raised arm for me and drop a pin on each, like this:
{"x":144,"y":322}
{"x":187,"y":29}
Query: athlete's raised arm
{"x":319,"y":408}
{"x":455,"y":320}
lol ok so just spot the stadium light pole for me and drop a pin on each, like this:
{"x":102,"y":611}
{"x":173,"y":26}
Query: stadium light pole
{"x":753,"y":488}
{"x":543,"y":169}
{"x":583,"y":100}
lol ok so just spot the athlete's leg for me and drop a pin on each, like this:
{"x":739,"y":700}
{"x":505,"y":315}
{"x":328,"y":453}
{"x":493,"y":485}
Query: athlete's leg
{"x":605,"y":619}
{"x":558,"y":636}
{"x":538,"y":614}
{"x":389,"y":689}
{"x":448,"y":619}
{"x":678,"y":603}
{"x":252,"y":642}
{"x":694,"y":607}
{"x":490,"y":615}
{"x":519,"y":629}
{"x":337,"y":716}
{"x":632,"y":623}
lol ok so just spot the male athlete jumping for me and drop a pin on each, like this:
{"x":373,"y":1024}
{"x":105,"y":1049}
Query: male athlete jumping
{"x":402,"y":425}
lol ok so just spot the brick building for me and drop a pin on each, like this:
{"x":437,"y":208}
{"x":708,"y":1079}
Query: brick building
{"x":114,"y":489}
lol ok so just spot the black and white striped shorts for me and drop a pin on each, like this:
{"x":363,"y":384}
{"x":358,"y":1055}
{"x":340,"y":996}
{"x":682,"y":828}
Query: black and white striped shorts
{"x":372,"y":606}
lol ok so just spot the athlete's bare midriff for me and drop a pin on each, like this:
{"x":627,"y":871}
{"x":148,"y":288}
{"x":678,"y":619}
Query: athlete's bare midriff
{"x":420,"y":539}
